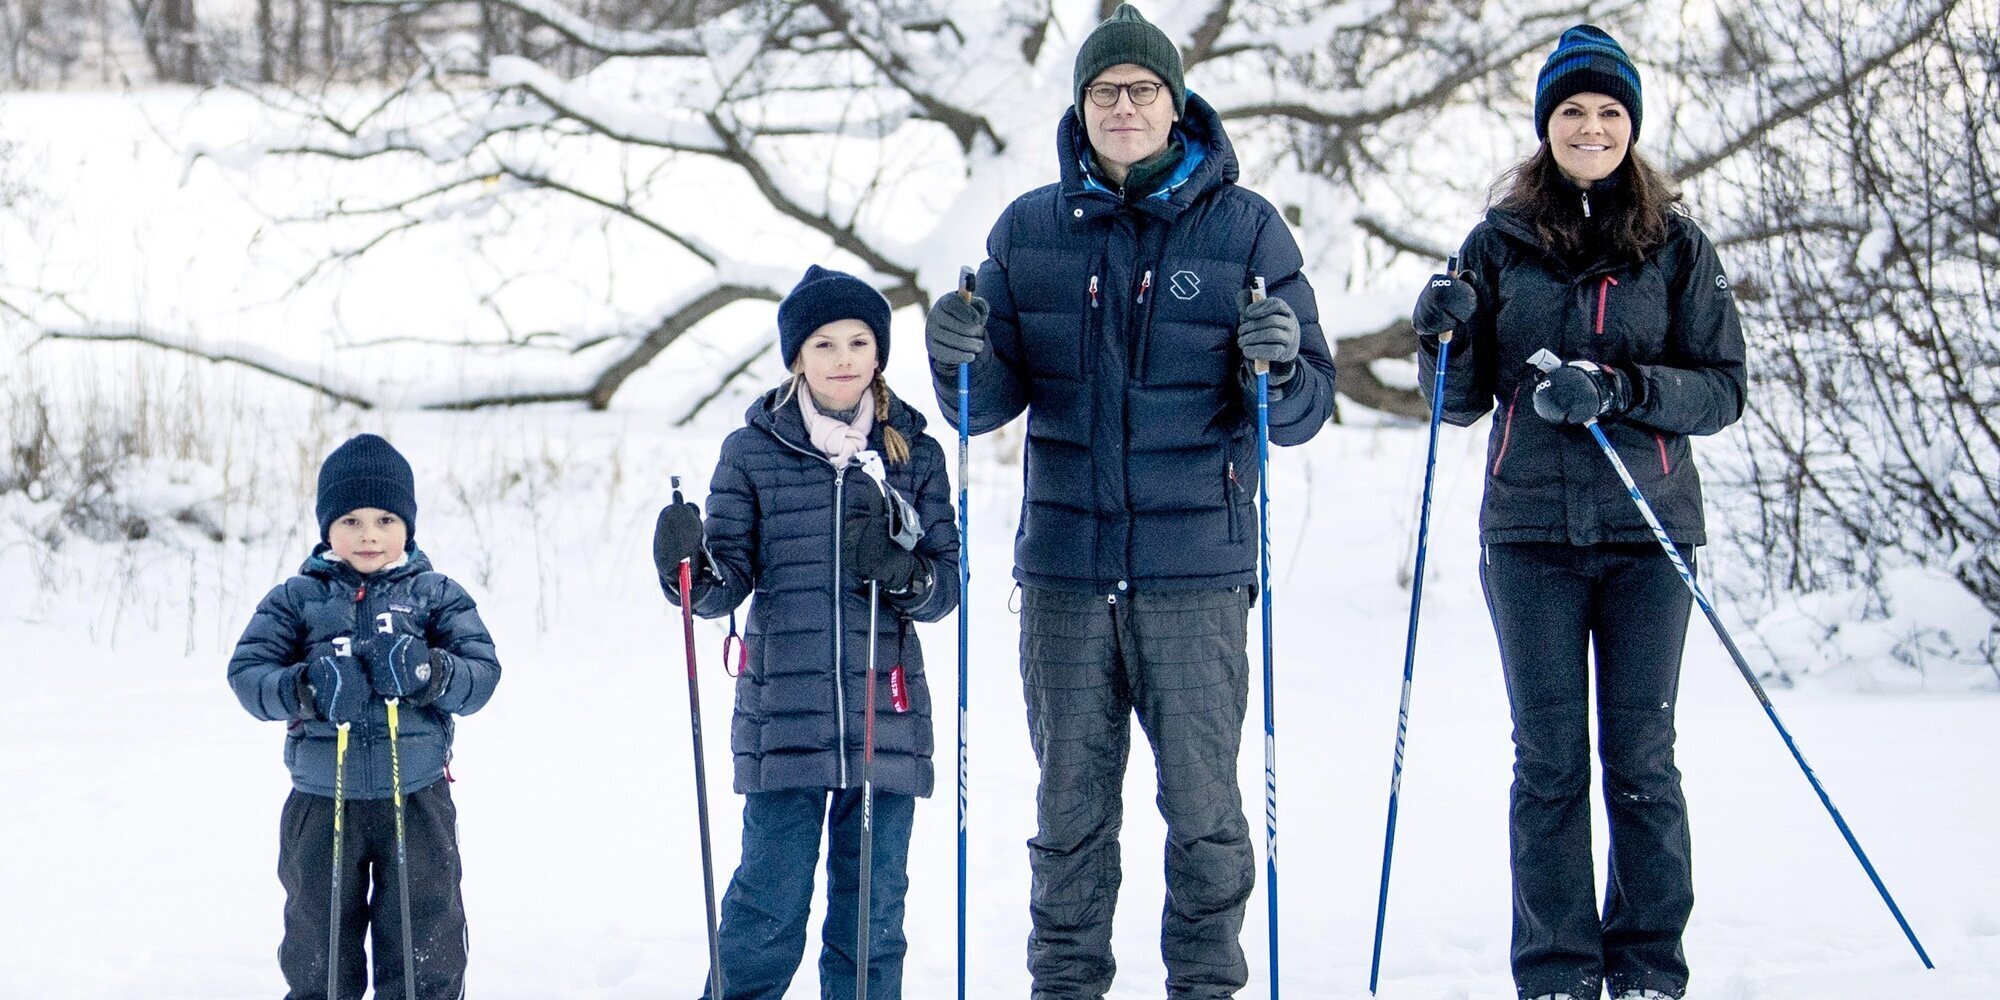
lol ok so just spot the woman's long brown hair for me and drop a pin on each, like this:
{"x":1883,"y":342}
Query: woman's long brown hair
{"x":1536,"y":189}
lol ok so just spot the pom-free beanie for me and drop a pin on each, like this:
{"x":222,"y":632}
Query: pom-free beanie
{"x":1586,"y":61}
{"x":1127,"y":37}
{"x":367,"y":471}
{"x":825,"y":295}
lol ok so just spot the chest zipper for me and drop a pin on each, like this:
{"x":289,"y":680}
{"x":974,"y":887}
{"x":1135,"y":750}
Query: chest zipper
{"x":839,"y":628}
{"x":1093,"y":291}
{"x":1506,"y":432}
{"x":1586,"y":204}
{"x":1145,"y":285}
{"x":1603,"y":294}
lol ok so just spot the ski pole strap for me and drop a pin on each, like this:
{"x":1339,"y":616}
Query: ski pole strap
{"x":735,"y":667}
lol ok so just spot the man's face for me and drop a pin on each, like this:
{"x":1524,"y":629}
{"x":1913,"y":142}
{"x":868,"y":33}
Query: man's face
{"x":1126,"y":133}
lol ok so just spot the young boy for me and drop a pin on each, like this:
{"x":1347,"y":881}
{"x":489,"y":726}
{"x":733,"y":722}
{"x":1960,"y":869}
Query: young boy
{"x":366,"y":621}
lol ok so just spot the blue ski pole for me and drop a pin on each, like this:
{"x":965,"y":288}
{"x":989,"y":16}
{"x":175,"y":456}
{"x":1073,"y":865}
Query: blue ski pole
{"x":1743,"y":667}
{"x":1262,"y":369}
{"x":1410,"y":644}
{"x":965,"y":287}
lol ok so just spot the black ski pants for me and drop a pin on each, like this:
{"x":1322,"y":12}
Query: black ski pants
{"x":1552,"y":604}
{"x":368,"y":903}
{"x":1088,"y":663}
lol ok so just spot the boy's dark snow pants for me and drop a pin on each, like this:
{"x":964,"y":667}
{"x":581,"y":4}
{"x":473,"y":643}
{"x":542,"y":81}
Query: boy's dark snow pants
{"x":1551,"y":603}
{"x":1088,"y":663}
{"x":368,"y":895}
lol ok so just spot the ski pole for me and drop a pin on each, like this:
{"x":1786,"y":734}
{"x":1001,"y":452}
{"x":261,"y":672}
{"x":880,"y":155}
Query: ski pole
{"x":1262,"y":369}
{"x":1410,"y":645}
{"x":966,"y":282}
{"x":700,"y":769}
{"x":863,"y":924}
{"x":402,"y":855}
{"x":1750,"y":677}
{"x":339,"y":811}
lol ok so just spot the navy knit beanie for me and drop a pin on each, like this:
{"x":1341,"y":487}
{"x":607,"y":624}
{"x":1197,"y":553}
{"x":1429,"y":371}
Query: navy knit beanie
{"x":367,"y":472}
{"x":823,"y":296}
{"x":1127,"y":37}
{"x":1586,"y":61}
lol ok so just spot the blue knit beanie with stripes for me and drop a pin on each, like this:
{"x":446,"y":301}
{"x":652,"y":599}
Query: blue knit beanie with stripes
{"x":1586,"y":61}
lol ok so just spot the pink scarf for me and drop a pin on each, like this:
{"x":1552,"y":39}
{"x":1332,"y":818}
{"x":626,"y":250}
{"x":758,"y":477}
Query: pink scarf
{"x":840,"y":440}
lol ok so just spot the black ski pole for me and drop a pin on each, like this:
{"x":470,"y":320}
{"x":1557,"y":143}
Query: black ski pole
{"x":1410,"y":644}
{"x":1749,"y":676}
{"x":863,"y":925}
{"x":402,"y":855}
{"x":700,"y":769}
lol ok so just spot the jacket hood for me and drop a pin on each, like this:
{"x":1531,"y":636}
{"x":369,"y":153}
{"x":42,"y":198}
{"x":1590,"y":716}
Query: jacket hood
{"x":1210,"y":163}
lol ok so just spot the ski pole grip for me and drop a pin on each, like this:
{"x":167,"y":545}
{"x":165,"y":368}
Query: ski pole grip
{"x":1257,"y":295}
{"x":677,"y":490}
{"x":1451,"y":271}
{"x":967,"y":281}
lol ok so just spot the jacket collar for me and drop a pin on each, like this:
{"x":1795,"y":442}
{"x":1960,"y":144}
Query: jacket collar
{"x":322,"y":565}
{"x":776,"y":413}
{"x":1210,"y":163}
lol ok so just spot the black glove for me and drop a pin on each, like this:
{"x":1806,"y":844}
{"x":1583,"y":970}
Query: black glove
{"x":677,"y":536}
{"x":1447,"y":303}
{"x":1580,"y":391}
{"x":955,"y":330}
{"x":1268,"y":330}
{"x":867,"y":550}
{"x":334,"y":688}
{"x":399,"y":666}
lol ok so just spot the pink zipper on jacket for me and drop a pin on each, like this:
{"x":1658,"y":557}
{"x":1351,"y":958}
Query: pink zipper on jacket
{"x":1603,"y":292}
{"x":1507,"y":431}
{"x":1662,"y":442}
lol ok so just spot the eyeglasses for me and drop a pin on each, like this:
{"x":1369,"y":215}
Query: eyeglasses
{"x":1105,"y":95}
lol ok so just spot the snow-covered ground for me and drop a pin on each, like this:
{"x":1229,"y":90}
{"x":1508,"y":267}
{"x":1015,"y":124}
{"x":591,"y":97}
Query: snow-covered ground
{"x":138,"y":835}
{"x":139,"y":844}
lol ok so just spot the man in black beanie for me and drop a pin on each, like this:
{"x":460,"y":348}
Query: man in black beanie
{"x":1111,"y":311}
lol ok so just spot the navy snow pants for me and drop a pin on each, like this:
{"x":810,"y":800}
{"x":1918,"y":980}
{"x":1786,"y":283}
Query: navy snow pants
{"x":764,"y":911}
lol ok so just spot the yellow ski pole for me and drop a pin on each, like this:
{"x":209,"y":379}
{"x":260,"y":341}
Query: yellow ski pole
{"x":402,"y":857}
{"x":339,"y":809}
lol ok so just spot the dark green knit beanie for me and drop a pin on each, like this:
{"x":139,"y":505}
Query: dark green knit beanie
{"x":1127,"y":37}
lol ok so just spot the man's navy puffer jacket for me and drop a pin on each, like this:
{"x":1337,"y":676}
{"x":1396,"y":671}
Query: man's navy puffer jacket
{"x":1114,"y":326}
{"x":299,"y":620}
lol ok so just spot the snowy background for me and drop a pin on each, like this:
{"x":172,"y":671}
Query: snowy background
{"x":151,"y":497}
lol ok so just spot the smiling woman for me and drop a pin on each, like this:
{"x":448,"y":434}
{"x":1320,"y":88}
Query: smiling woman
{"x":1584,"y":259}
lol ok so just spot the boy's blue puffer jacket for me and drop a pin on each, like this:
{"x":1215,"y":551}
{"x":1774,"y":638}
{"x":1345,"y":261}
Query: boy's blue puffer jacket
{"x":773,"y":530}
{"x":299,"y":620}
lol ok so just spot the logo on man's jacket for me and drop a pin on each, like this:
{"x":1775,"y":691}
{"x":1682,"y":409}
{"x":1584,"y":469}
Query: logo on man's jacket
{"x":1185,"y":285}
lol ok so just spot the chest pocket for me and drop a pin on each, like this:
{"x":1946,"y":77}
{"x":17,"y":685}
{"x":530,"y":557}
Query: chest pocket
{"x":1191,"y":322}
{"x":1052,"y":293}
{"x":1626,"y":315}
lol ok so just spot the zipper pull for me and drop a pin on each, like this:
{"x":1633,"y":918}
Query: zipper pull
{"x":360,"y":592}
{"x":1093,"y":291}
{"x":1144,"y":284}
{"x":1586,"y":204}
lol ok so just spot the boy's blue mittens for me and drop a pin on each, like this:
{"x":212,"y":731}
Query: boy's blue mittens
{"x":334,"y":688}
{"x":399,"y":666}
